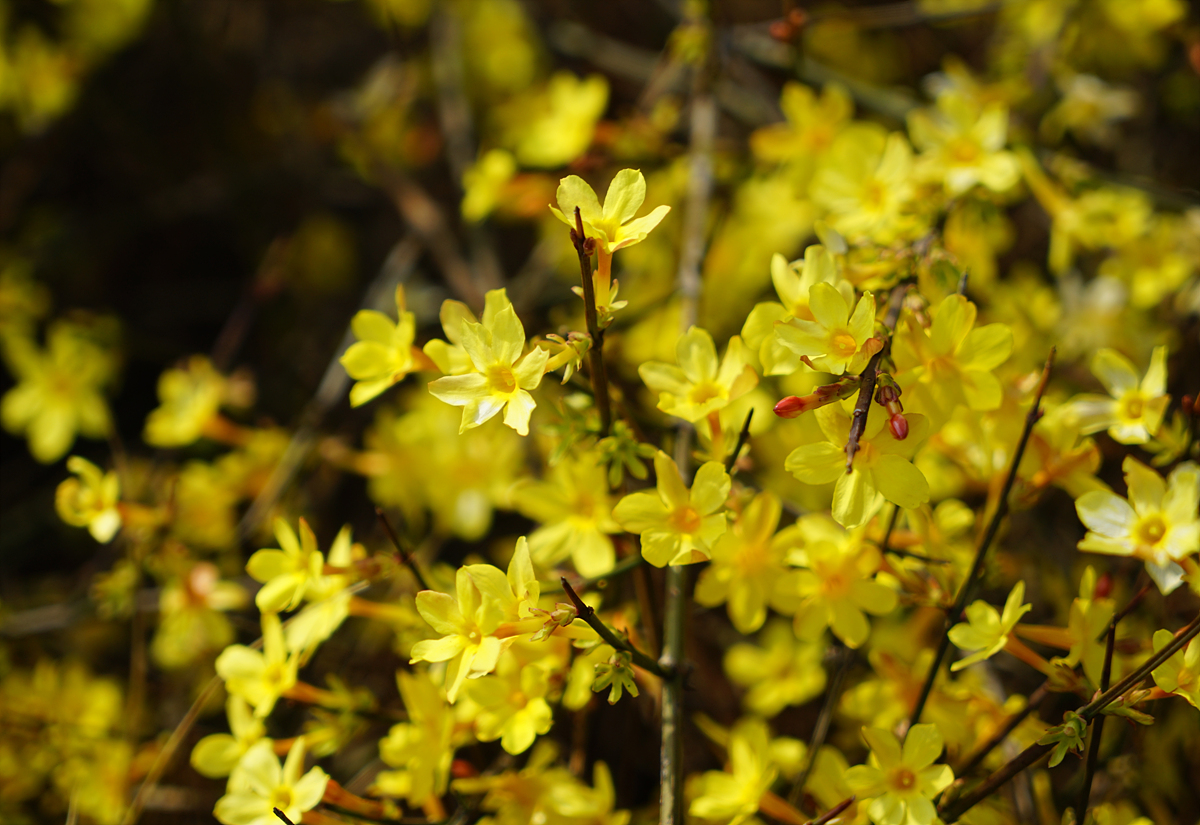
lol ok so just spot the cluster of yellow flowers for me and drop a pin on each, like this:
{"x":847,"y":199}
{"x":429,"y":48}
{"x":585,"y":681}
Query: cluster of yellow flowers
{"x":859,"y":437}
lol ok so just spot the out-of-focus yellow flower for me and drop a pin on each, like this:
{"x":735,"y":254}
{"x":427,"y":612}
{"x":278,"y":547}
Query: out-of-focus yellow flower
{"x":483,"y":184}
{"x":502,"y":376}
{"x":810,"y":125}
{"x":748,"y":569}
{"x":91,"y":500}
{"x":1159,"y":523}
{"x":1181,"y":673}
{"x":259,"y":677}
{"x":58,"y":391}
{"x":986,"y":630}
{"x":700,"y":385}
{"x":191,"y":623}
{"x":901,"y":783}
{"x":836,"y":340}
{"x":733,"y":797}
{"x":865,"y":184}
{"x":1088,"y":108}
{"x":575,"y":511}
{"x":259,"y":784}
{"x":962,"y":144}
{"x":189,"y":398}
{"x":780,"y":670}
{"x":612,"y":224}
{"x":837,"y":585}
{"x":677,"y":525}
{"x":882,"y":466}
{"x":288,"y":572}
{"x":217,"y":754}
{"x":512,"y":704}
{"x":1131,"y":412}
{"x":553,"y":126}
{"x":384,"y":354}
{"x":422,"y":748}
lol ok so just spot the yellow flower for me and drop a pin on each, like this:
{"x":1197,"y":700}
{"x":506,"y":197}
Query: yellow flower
{"x":733,"y":796}
{"x":58,"y":391}
{"x":575,"y":511}
{"x":837,"y":585}
{"x":189,"y":399}
{"x":384,"y":353}
{"x":484,"y":599}
{"x":217,"y":754}
{"x":553,"y":126}
{"x":809,"y":127}
{"x":865,"y":184}
{"x":1158,"y":523}
{"x":259,"y":784}
{"x":91,"y":500}
{"x":422,"y":748}
{"x":677,"y":525}
{"x":882,"y":466}
{"x":259,"y":677}
{"x":779,"y":671}
{"x":611,"y":224}
{"x":1132,"y":412}
{"x":288,"y":572}
{"x":449,"y":355}
{"x":951,"y":363}
{"x":901,"y":783}
{"x":835,"y":340}
{"x":512,"y":705}
{"x":501,"y":376}
{"x":699,"y":386}
{"x":748,"y":569}
{"x":962,"y":144}
{"x":483,"y":184}
{"x":191,"y":623}
{"x":986,"y":630}
{"x":1181,"y":673}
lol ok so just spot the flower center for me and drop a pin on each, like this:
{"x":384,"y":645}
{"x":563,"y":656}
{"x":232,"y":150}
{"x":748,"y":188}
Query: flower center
{"x":1151,"y":529}
{"x":1132,"y":406}
{"x":902,"y":779}
{"x":501,"y":379}
{"x":273,"y":674}
{"x":843,"y":344}
{"x":964,"y":151}
{"x":685,"y":520}
{"x":704,"y":391}
{"x":281,"y":797}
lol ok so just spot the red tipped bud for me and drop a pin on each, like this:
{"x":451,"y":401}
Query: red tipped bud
{"x":898,"y":424}
{"x":462,"y":769}
{"x":1104,"y":586}
{"x":792,"y":406}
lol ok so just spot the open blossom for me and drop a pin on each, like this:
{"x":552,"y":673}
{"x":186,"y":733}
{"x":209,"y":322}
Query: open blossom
{"x":986,"y":629}
{"x":1181,"y":673}
{"x":700,"y":385}
{"x":501,"y":376}
{"x":677,"y":525}
{"x":1132,"y":411}
{"x":384,"y":353}
{"x":259,"y":784}
{"x":260,"y":677}
{"x":901,"y":783}
{"x":92,"y":500}
{"x":611,"y":224}
{"x":836,"y":339}
{"x":1158,"y":523}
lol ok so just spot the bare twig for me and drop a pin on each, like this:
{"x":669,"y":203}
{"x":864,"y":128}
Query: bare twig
{"x":612,"y":639}
{"x":405,"y":554}
{"x":862,"y":405}
{"x":833,"y":812}
{"x":731,"y":461}
{"x":584,"y":246}
{"x":1093,"y":754}
{"x":1035,"y":752}
{"x":1127,"y":609}
{"x":968,"y":585}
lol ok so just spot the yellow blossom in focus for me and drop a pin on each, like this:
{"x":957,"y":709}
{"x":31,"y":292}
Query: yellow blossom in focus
{"x":836,"y":340}
{"x":700,"y":385}
{"x":502,"y":376}
{"x":259,"y":677}
{"x":612,"y":223}
{"x":986,"y":630}
{"x":677,"y":525}
{"x":449,"y":356}
{"x":92,"y":500}
{"x":286,"y":573}
{"x":384,"y":354}
{"x":1131,"y":412}
{"x":900,"y":783}
{"x":259,"y":784}
{"x":1159,"y":522}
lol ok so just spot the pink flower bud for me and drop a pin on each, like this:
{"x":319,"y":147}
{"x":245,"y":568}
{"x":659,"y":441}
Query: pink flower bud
{"x":898,"y":424}
{"x":792,"y":406}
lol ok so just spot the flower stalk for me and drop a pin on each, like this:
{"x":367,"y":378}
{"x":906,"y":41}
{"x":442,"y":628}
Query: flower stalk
{"x":584,"y":247}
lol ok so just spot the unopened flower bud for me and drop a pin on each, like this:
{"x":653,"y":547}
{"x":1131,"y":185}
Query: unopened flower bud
{"x":898,"y":424}
{"x":792,"y":406}
{"x":1104,"y":586}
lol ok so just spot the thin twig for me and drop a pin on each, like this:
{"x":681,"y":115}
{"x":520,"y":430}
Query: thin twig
{"x":283,"y":816}
{"x":405,"y":554}
{"x":731,"y":461}
{"x":966,"y":588}
{"x":612,"y":639}
{"x":862,"y":405}
{"x":1093,"y":754}
{"x":1127,"y":609}
{"x":832,"y":813}
{"x":584,"y":247}
{"x":1035,"y":752}
{"x":821,"y":728}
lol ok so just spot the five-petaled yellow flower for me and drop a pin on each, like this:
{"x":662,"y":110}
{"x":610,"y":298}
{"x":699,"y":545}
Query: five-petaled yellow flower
{"x":501,"y":378}
{"x":835,"y":340}
{"x":986,"y":629}
{"x":1132,"y":411}
{"x":901,"y":782}
{"x":384,"y":353}
{"x":259,"y":784}
{"x":611,"y":224}
{"x":700,"y":385}
{"x":677,"y":525}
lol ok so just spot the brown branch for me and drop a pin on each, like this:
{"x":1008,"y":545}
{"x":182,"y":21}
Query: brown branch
{"x":743,"y":436}
{"x":965,"y":590}
{"x":404,"y":554}
{"x":586,"y":613}
{"x":583,"y":248}
{"x":832,"y":813}
{"x":1035,"y":752}
{"x":1093,"y":754}
{"x":862,"y":406}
